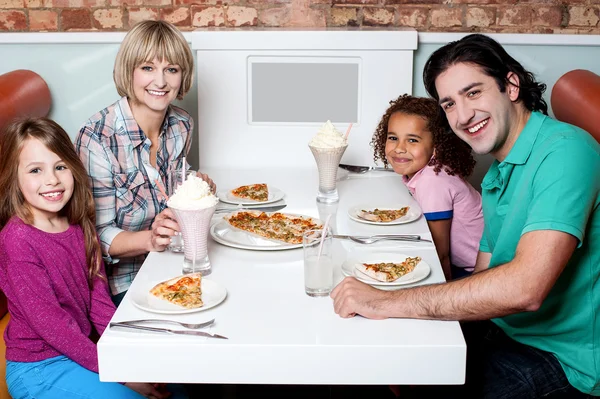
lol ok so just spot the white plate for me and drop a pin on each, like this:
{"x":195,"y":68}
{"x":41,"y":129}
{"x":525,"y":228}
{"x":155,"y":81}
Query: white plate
{"x":413,"y":214}
{"x":224,"y":233}
{"x":275,"y":194}
{"x":212,"y":294}
{"x":421,"y":271}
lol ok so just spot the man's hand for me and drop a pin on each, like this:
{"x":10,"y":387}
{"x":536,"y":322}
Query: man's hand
{"x":163,"y":227}
{"x":351,"y":297}
{"x":213,"y":186}
{"x":149,"y":390}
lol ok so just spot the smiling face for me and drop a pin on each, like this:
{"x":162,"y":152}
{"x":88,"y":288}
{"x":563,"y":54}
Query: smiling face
{"x":155,"y":85}
{"x":477,"y":111}
{"x":409,"y":145}
{"x":44,"y":180}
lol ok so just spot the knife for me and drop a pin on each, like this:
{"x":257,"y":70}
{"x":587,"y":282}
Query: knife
{"x":363,"y":169}
{"x":262,"y":209}
{"x":166,"y":330}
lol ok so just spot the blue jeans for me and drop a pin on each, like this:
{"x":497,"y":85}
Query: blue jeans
{"x":459,"y":272}
{"x":61,"y":378}
{"x":500,"y":368}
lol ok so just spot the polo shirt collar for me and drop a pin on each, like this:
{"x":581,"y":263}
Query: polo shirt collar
{"x":518,"y":155}
{"x":520,"y":152}
{"x":412,"y":182}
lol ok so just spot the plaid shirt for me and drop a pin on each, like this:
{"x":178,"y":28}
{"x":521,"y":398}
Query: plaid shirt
{"x":116,"y":154}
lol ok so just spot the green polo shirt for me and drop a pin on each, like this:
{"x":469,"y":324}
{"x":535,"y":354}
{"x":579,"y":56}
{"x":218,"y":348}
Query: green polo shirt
{"x":550,"y":180}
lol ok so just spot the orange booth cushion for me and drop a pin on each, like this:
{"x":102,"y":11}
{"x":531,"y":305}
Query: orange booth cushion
{"x":575,"y":99}
{"x":22,"y":93}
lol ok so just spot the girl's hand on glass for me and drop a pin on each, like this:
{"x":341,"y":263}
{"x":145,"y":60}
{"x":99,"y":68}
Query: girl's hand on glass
{"x":203,"y":176}
{"x":148,"y":390}
{"x":163,"y":227}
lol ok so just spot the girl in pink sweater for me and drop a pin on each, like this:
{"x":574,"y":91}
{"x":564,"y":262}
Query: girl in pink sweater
{"x":51,"y":269}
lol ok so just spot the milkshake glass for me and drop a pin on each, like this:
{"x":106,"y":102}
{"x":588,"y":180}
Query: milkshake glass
{"x":328,"y":146}
{"x":175,"y":179}
{"x":328,"y":161}
{"x":194,"y":226}
{"x":193,"y":205}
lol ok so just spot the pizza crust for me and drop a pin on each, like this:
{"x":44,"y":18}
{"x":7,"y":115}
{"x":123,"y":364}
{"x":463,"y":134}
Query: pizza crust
{"x":368,"y":216}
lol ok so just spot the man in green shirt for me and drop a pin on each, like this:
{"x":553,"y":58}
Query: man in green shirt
{"x":538,"y":270}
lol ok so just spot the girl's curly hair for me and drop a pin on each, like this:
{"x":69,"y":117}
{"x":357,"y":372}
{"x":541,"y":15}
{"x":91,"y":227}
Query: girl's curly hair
{"x":451,"y":153}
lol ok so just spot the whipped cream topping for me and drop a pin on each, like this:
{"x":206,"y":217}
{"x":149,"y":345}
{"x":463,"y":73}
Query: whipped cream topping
{"x":194,"y":193}
{"x":328,"y":137}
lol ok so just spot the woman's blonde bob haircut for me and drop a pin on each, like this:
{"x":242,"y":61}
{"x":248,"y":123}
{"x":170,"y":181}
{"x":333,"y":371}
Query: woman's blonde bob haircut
{"x":146,"y":41}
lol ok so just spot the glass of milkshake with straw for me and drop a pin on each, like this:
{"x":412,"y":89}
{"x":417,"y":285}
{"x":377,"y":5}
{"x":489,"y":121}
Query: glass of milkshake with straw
{"x":193,"y":205}
{"x":328,"y":146}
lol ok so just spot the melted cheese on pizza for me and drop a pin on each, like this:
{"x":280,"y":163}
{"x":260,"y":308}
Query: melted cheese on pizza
{"x":255,"y":192}
{"x":384,"y":215}
{"x":183,"y":291}
{"x":276,"y":226}
{"x":387,"y":271}
{"x":387,"y":215}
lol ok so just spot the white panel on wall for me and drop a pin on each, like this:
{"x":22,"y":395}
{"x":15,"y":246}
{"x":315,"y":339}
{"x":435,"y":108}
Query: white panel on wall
{"x":262,"y":95}
{"x":78,"y":68}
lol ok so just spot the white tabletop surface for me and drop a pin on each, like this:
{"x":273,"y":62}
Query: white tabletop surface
{"x":277,"y":334}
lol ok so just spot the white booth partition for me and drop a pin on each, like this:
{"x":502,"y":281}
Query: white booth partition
{"x":262,"y":94}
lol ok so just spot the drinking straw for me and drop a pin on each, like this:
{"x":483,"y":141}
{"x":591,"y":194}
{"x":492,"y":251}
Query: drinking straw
{"x":161,"y":189}
{"x":323,"y":234}
{"x":183,"y":170}
{"x":348,"y":131}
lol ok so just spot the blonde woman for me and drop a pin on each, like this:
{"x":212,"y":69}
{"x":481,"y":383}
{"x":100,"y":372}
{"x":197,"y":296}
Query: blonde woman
{"x":131,"y":144}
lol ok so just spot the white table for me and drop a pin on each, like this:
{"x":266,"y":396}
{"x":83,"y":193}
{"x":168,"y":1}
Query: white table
{"x":277,"y":334}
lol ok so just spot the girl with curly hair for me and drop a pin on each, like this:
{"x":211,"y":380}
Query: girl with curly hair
{"x":415,"y":140}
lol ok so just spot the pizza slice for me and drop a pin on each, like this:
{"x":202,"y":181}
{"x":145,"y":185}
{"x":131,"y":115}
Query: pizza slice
{"x":383,"y":215}
{"x":276,"y":226}
{"x":184,"y":291}
{"x":387,"y":271}
{"x":254,"y":192}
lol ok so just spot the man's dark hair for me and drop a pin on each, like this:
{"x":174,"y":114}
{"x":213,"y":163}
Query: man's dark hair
{"x":494,"y":61}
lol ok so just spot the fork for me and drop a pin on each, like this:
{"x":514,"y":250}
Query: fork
{"x":371,"y":240}
{"x":192,"y":326}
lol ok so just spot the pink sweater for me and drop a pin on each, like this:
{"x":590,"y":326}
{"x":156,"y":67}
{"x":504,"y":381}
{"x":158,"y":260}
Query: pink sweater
{"x":52,"y":309}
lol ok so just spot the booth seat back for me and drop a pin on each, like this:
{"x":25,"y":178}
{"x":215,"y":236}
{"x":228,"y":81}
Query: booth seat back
{"x":22,"y":93}
{"x":575,"y":99}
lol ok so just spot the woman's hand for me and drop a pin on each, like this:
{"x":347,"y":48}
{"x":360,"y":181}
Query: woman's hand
{"x":163,"y":227}
{"x":157,"y":391}
{"x":213,"y":186}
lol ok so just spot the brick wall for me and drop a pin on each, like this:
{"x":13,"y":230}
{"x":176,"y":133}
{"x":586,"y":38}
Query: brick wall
{"x":518,"y":16}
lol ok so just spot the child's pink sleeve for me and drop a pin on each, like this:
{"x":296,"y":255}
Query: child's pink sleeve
{"x":435,"y":196}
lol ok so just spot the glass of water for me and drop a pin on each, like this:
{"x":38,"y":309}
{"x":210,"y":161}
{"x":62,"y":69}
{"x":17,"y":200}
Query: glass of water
{"x":318,"y":262}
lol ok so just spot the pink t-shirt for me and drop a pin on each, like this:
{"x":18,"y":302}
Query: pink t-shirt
{"x":443,"y":196}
